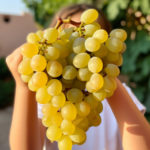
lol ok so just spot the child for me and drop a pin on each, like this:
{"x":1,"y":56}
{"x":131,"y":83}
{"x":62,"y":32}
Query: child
{"x":125,"y":128}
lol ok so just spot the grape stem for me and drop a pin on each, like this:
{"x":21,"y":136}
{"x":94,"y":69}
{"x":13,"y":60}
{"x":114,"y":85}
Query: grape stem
{"x":66,"y":21}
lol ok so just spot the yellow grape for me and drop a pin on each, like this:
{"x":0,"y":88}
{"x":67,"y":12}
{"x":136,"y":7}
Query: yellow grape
{"x":69,"y":72}
{"x":29,"y":49}
{"x":46,"y":121}
{"x":81,"y":60}
{"x":89,"y":16}
{"x":26,"y":78}
{"x":70,"y":58}
{"x":58,"y":100}
{"x":102,"y":52}
{"x":65,"y":143}
{"x":119,"y":61}
{"x":67,"y":127}
{"x":78,"y":84}
{"x":33,"y":38}
{"x":83,"y":108}
{"x":112,"y":57}
{"x":39,"y":79}
{"x":101,"y":35}
{"x":25,"y":67}
{"x":31,"y":86}
{"x":95,"y":64}
{"x":73,"y":36}
{"x":112,"y":70}
{"x":100,"y":95}
{"x":89,"y":87}
{"x":84,"y":74}
{"x":62,"y":61}
{"x":52,"y":53}
{"x":78,"y":45}
{"x":124,"y":48}
{"x":119,"y":33}
{"x":99,"y":107}
{"x":65,"y":33}
{"x":49,"y":110}
{"x":94,"y":118}
{"x":92,"y":44}
{"x":42,"y":95}
{"x":40,"y":34}
{"x":54,"y":87}
{"x":54,"y":68}
{"x":84,"y":124}
{"x":51,"y":35}
{"x":74,"y":95}
{"x":79,"y":136}
{"x":38,"y":63}
{"x":77,"y":120}
{"x":53,"y":133}
{"x":69,"y":111}
{"x":114,"y":44}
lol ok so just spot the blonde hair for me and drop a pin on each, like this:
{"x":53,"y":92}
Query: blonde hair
{"x":74,"y":9}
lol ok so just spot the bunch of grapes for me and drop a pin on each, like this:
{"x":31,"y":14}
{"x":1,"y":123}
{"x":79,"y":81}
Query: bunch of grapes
{"x":72,"y":71}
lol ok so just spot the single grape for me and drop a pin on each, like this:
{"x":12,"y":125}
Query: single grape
{"x":119,"y":33}
{"x":81,"y":60}
{"x":100,"y":95}
{"x":84,"y":74}
{"x":42,"y":95}
{"x":54,"y":87}
{"x":29,"y":49}
{"x":73,"y":36}
{"x":102,"y":52}
{"x":119,"y":61}
{"x":89,"y":16}
{"x":54,"y":68}
{"x":95,"y":64}
{"x":74,"y":95}
{"x":69,"y":72}
{"x":70,"y":58}
{"x":112,"y":57}
{"x":38,"y":63}
{"x":99,"y":107}
{"x":26,"y":78}
{"x":84,"y":124}
{"x":65,"y":143}
{"x":31,"y":86}
{"x":78,"y":84}
{"x":92,"y":44}
{"x":33,"y":38}
{"x":51,"y":35}
{"x":65,"y":33}
{"x":40,"y":34}
{"x":94,"y":118}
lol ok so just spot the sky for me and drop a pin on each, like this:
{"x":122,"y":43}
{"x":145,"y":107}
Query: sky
{"x":12,"y":6}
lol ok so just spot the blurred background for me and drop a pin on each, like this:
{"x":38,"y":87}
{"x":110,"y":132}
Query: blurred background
{"x":20,"y":17}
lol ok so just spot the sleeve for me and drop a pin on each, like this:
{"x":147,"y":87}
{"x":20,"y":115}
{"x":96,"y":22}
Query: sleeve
{"x":39,"y":111}
{"x":139,"y":105}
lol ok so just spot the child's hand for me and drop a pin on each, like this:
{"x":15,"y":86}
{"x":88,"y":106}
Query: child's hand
{"x":13,"y":60}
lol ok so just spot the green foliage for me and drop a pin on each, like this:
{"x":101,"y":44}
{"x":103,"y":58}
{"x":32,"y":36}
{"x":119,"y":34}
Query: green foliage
{"x":6,"y":85}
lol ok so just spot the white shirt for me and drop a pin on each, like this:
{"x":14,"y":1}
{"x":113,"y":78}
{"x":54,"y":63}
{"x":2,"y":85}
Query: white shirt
{"x":104,"y":137}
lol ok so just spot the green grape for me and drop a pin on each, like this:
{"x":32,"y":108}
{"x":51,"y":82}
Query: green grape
{"x":101,"y":35}
{"x":67,"y":127}
{"x":39,"y":79}
{"x":99,"y":107}
{"x":74,"y":95}
{"x":69,"y":72}
{"x":38,"y":63}
{"x":65,"y":33}
{"x":78,"y":84}
{"x":42,"y":95}
{"x":81,"y":60}
{"x":40,"y":34}
{"x":112,"y":57}
{"x":79,"y":136}
{"x":84,"y":74}
{"x":77,"y":120}
{"x":54,"y":87}
{"x":26,"y":78}
{"x":90,"y":99}
{"x":25,"y":67}
{"x":54,"y":68}
{"x":51,"y":35}
{"x":78,"y":45}
{"x":90,"y":29}
{"x":97,"y":81}
{"x":84,"y":124}
{"x":94,"y":118}
{"x":95,"y":64}
{"x":89,"y":16}
{"x":114,"y":44}
{"x":32,"y":38}
{"x":112,"y":70}
{"x":92,"y":44}
{"x":100,"y":95}
{"x":58,"y":100}
{"x":53,"y":133}
{"x":124,"y":48}
{"x":29,"y":49}
{"x":89,"y":87}
{"x":46,"y":121}
{"x":119,"y":61}
{"x":62,"y":61}
{"x":31,"y":86}
{"x":102,"y":52}
{"x":65,"y":143}
{"x":61,"y":46}
{"x":119,"y":33}
{"x":83,"y":108}
{"x":69,"y":111}
{"x":52,"y":53}
{"x":70,"y":58}
{"x":49,"y":110}
{"x":73,"y":36}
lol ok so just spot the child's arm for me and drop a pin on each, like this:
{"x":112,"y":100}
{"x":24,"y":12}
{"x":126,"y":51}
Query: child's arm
{"x":134,"y":129}
{"x":24,"y":131}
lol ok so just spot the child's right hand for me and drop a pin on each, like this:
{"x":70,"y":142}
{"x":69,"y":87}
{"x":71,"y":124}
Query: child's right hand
{"x":12,"y":61}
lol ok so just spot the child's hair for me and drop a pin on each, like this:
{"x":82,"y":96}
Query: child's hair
{"x":79,"y":8}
